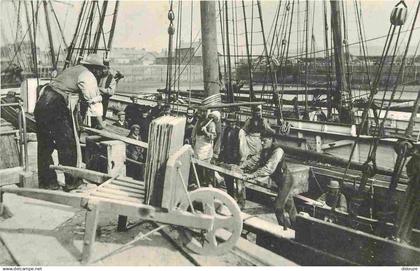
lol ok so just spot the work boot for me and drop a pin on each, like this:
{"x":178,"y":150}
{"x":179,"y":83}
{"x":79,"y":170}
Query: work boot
{"x":70,"y":187}
{"x":50,"y":186}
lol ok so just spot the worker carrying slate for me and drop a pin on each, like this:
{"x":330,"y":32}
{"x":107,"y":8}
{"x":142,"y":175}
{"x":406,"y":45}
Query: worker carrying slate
{"x":56,"y":118}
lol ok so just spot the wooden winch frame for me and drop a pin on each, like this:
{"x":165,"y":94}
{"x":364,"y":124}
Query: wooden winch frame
{"x":125,"y":196}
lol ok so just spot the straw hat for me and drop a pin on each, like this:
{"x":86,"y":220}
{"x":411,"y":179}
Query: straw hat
{"x":94,"y":60}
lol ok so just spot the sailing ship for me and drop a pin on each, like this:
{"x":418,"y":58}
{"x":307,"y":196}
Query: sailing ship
{"x":328,"y":144}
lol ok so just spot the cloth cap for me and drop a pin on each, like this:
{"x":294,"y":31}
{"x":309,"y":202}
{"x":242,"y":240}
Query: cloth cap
{"x":11,"y":93}
{"x":334,"y":184}
{"x":133,"y":97}
{"x":93,"y":59}
{"x":135,"y":126}
{"x":120,"y":113}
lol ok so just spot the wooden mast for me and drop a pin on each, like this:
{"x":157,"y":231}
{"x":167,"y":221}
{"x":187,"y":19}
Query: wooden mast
{"x":341,"y":95}
{"x":111,"y":33}
{"x":50,"y":38}
{"x":31,"y":39}
{"x":99,"y":28}
{"x":209,"y":45}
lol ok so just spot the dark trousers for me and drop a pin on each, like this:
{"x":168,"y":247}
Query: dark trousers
{"x":54,"y":131}
{"x":105,"y":103}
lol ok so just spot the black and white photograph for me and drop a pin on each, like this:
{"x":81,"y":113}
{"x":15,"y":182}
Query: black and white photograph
{"x":213,"y":133}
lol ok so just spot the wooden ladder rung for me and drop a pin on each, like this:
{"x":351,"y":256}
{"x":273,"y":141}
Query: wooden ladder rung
{"x":122,"y":183}
{"x":122,"y":193}
{"x":124,"y":188}
{"x":130,"y":180}
{"x":117,"y":197}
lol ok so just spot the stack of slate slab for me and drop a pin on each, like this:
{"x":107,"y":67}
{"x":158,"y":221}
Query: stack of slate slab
{"x":166,"y":136}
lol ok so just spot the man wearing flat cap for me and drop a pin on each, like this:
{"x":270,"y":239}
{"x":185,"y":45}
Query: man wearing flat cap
{"x":55,"y":114}
{"x":333,"y":197}
{"x":134,"y":153}
{"x":270,"y":165}
{"x":121,"y":122}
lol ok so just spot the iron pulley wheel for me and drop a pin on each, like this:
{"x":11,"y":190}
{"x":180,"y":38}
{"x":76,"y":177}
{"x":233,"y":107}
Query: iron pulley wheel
{"x":227,"y":225}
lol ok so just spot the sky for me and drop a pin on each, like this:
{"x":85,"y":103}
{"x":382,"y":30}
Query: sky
{"x":143,"y":24}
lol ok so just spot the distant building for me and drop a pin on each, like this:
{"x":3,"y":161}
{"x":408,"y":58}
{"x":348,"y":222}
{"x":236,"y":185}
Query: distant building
{"x":188,"y":55}
{"x":131,"y":56}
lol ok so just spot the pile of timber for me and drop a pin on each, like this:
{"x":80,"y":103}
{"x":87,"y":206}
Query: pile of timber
{"x":166,"y":135}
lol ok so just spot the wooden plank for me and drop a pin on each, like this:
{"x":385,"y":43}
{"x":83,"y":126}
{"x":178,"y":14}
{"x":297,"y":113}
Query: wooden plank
{"x":138,"y":186}
{"x":69,"y":199}
{"x":10,"y":175}
{"x":117,"y":137}
{"x":124,"y":188}
{"x":91,"y":223}
{"x":336,"y":144}
{"x":139,"y":194}
{"x":360,"y":247}
{"x":107,"y":195}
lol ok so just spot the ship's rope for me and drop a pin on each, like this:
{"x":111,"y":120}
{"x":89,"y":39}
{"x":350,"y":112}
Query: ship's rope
{"x":189,"y":52}
{"x":370,"y":164}
{"x":171,"y":30}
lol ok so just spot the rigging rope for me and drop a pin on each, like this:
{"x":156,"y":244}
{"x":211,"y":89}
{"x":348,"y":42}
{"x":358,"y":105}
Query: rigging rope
{"x":171,"y":31}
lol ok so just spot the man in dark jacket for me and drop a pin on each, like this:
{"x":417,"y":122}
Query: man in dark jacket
{"x":271,"y":165}
{"x":189,"y":126}
{"x":133,"y":111}
{"x":230,"y":154}
{"x":144,"y":124}
{"x":134,"y":153}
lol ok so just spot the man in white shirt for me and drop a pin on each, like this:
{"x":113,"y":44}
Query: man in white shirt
{"x":55,"y":113}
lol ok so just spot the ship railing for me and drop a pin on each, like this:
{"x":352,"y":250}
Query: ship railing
{"x":22,"y":134}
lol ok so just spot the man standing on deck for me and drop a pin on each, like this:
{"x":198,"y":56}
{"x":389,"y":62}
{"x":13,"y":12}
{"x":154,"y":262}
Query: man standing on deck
{"x":55,"y":113}
{"x":134,"y":153}
{"x":157,"y":110}
{"x":189,"y":126}
{"x":144,"y":124}
{"x":108,"y":84}
{"x":230,"y":155}
{"x":250,"y":136}
{"x":133,"y":111}
{"x":270,"y":164}
{"x":203,"y":136}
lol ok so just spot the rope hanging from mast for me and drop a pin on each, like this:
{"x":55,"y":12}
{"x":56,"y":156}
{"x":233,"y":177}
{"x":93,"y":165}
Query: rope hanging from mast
{"x":171,"y":32}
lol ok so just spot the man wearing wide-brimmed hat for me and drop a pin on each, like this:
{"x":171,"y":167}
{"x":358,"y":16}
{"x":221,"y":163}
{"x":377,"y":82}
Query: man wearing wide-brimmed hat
{"x":55,"y":114}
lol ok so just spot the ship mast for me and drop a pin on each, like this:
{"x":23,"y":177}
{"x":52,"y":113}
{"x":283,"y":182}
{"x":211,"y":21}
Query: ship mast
{"x":342,"y":92}
{"x":209,"y":45}
{"x":50,"y":38}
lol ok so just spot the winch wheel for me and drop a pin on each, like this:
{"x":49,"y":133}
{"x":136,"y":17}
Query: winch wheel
{"x":227,"y":226}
